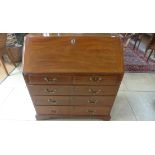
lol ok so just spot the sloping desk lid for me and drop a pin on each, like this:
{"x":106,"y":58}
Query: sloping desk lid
{"x":72,"y":54}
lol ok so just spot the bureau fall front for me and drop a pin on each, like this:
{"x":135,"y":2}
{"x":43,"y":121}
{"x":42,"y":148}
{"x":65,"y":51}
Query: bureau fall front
{"x":73,"y":75}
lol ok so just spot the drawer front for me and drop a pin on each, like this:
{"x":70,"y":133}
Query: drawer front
{"x":95,"y":90}
{"x":49,"y":90}
{"x":96,"y":80}
{"x":50,"y":79}
{"x":93,"y":100}
{"x":74,"y":100}
{"x":72,"y":110}
{"x":51,"y":100}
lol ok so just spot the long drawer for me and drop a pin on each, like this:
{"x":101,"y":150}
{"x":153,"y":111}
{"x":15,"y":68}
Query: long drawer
{"x":74,"y":100}
{"x":72,"y":90}
{"x":72,"y":110}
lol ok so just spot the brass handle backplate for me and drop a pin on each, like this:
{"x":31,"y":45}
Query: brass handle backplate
{"x":54,"y":79}
{"x":91,"y":111}
{"x":95,"y":79}
{"x":52,"y":101}
{"x":53,"y":111}
{"x":92,"y":101}
{"x":50,"y":91}
{"x":95,"y":91}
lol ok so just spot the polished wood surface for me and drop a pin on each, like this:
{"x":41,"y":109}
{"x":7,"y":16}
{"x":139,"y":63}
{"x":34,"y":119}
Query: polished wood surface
{"x":73,"y":54}
{"x":72,"y":90}
{"x":73,"y":75}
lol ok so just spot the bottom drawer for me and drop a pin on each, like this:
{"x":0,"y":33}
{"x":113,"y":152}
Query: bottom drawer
{"x":72,"y":110}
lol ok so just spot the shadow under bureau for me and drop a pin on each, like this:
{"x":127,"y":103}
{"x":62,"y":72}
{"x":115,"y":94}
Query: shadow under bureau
{"x":73,"y":75}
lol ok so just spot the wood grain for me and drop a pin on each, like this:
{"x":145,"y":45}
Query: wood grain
{"x":57,"y":54}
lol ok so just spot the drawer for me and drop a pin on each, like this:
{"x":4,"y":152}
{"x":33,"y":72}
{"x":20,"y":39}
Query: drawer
{"x":92,"y":100}
{"x":95,"y":90}
{"x":72,"y":110}
{"x":96,"y":80}
{"x":74,"y":100}
{"x":49,"y":90}
{"x":51,"y":100}
{"x":49,"y":79}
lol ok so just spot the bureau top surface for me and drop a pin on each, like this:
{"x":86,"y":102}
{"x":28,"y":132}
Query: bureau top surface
{"x":72,"y":53}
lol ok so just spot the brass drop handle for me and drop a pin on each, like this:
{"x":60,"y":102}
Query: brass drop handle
{"x":54,"y":79}
{"x":51,"y":100}
{"x":95,"y":91}
{"x":92,"y":101}
{"x":50,"y":91}
{"x":91,"y":111}
{"x":95,"y":79}
{"x":53,"y":111}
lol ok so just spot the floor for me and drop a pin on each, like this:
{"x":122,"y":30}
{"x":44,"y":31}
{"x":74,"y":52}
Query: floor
{"x":135,"y":99}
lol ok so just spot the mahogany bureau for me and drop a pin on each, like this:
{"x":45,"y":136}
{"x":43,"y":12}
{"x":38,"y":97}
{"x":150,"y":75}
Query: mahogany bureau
{"x":73,"y":75}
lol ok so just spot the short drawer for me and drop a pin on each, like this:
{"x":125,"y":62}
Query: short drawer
{"x":95,"y":90}
{"x":72,"y":110}
{"x":49,"y":79}
{"x":49,"y":90}
{"x":51,"y":100}
{"x":92,"y":100}
{"x":96,"y":80}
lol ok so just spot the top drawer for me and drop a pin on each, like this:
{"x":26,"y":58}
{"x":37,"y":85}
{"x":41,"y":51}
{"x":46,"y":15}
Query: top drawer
{"x":96,"y":80}
{"x":49,"y":79}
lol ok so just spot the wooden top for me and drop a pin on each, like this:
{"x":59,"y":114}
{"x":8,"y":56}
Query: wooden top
{"x":72,"y":53}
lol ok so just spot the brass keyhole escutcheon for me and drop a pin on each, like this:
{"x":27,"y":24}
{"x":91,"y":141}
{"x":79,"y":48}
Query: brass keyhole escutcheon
{"x":73,"y":41}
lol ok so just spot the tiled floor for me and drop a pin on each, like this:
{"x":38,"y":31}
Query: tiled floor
{"x":135,"y":99}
